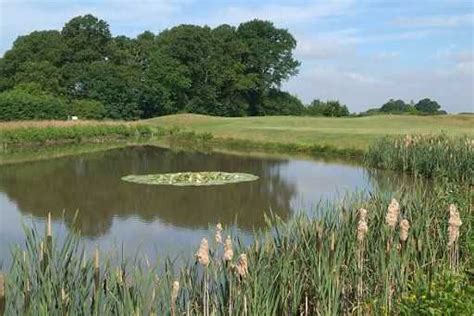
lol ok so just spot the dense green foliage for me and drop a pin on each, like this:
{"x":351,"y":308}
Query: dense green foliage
{"x":425,"y":106}
{"x":227,"y":71}
{"x":314,"y":266}
{"x":28,"y":102}
{"x":428,"y":156}
{"x":329,"y":108}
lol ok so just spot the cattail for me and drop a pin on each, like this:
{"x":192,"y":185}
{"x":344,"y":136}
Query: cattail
{"x":333,"y":242}
{"x":404,"y":227}
{"x":454,"y":224}
{"x":202,"y":255}
{"x":219,"y":233}
{"x":64,"y":296}
{"x":228,"y":252}
{"x":174,"y":297}
{"x":49,"y":229}
{"x":242,"y":265}
{"x":96,"y":269}
{"x":362,"y":227}
{"x":408,"y":140}
{"x":393,"y":211}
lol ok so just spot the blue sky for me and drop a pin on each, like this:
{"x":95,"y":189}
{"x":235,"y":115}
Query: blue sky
{"x":359,"y":52}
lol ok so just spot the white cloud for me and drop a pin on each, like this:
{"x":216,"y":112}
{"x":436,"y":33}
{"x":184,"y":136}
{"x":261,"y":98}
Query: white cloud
{"x":287,"y":13}
{"x":436,"y":21}
{"x":452,"y":89}
{"x":22,"y":17}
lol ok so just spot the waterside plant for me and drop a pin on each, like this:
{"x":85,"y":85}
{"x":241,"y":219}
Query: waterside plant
{"x":364,"y":255}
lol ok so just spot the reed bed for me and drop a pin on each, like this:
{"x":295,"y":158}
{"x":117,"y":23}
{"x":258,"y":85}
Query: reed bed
{"x":367,"y":256}
{"x":440,"y":156}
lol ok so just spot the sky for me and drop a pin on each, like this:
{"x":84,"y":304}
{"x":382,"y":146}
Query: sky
{"x":361,"y":53}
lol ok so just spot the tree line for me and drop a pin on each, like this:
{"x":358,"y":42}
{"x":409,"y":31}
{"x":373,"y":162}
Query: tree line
{"x":424,"y":106}
{"x":226,"y":70}
{"x":82,"y":70}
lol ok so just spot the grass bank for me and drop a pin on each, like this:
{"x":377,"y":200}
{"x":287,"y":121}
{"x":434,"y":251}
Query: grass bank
{"x":400,"y":256}
{"x":22,"y":134}
{"x":345,"y":137}
{"x":320,"y":133}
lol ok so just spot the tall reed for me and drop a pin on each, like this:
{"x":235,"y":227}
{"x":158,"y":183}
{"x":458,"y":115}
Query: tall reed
{"x":310,"y":266}
{"x":439,"y":156}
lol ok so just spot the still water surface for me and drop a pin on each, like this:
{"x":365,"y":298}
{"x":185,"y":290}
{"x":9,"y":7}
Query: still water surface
{"x":162,"y":220}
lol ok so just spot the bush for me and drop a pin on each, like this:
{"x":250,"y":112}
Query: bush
{"x":21,"y":104}
{"x":282,"y":103}
{"x":87,"y":109}
{"x":329,"y":108}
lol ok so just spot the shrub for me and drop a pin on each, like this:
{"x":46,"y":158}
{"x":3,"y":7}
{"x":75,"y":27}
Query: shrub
{"x":21,"y":104}
{"x":87,"y":109}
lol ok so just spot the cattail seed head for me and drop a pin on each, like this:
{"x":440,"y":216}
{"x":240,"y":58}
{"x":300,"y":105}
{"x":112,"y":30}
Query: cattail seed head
{"x":333,"y":241}
{"x":174,"y":292}
{"x":49,"y":229}
{"x":64,"y":296}
{"x":404,"y":227}
{"x":393,"y":211}
{"x":202,"y":255}
{"x":454,"y":224}
{"x":363,"y":214}
{"x":362,"y":229}
{"x":219,"y":233}
{"x":41,"y":254}
{"x":242,"y":265}
{"x":228,"y":252}
{"x":96,"y":258}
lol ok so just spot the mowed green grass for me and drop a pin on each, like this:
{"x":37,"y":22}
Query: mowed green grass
{"x":341,"y":133}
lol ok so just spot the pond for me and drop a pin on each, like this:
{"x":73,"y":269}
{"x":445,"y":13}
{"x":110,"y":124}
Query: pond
{"x":163,"y":220}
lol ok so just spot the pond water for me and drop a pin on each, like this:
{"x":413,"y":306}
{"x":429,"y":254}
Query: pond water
{"x":160,"y":221}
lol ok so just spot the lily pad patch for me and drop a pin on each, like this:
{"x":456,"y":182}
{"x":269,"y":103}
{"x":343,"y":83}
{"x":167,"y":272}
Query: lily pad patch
{"x":191,"y":178}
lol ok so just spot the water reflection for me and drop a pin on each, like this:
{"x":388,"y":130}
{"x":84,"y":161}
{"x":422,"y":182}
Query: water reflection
{"x":112,"y":210}
{"x":91,"y":184}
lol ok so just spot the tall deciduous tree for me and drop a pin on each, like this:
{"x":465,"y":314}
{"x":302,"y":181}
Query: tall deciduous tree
{"x":268,"y":59}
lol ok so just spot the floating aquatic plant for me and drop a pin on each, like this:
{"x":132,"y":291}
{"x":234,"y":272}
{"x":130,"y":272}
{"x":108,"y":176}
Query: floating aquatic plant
{"x":191,"y":178}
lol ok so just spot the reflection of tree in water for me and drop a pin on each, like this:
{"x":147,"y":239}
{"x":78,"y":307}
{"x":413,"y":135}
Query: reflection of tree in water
{"x":91,"y":184}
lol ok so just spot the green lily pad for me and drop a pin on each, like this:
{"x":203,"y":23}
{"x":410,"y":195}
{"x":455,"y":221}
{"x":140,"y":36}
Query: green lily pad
{"x":191,"y":178}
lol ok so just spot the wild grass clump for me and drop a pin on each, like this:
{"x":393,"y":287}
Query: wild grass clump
{"x":348,"y":260}
{"x":73,"y":133}
{"x":438,"y":156}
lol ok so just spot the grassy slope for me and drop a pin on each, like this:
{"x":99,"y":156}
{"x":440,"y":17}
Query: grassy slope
{"x":342,"y":133}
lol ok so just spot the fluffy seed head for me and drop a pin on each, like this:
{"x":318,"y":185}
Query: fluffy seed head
{"x":174,"y":291}
{"x":242,"y":265}
{"x":228,"y":252}
{"x":404,"y":227}
{"x":393,"y":211}
{"x":454,"y":224}
{"x":202,"y":255}
{"x":362,"y":229}
{"x":363,"y":214}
